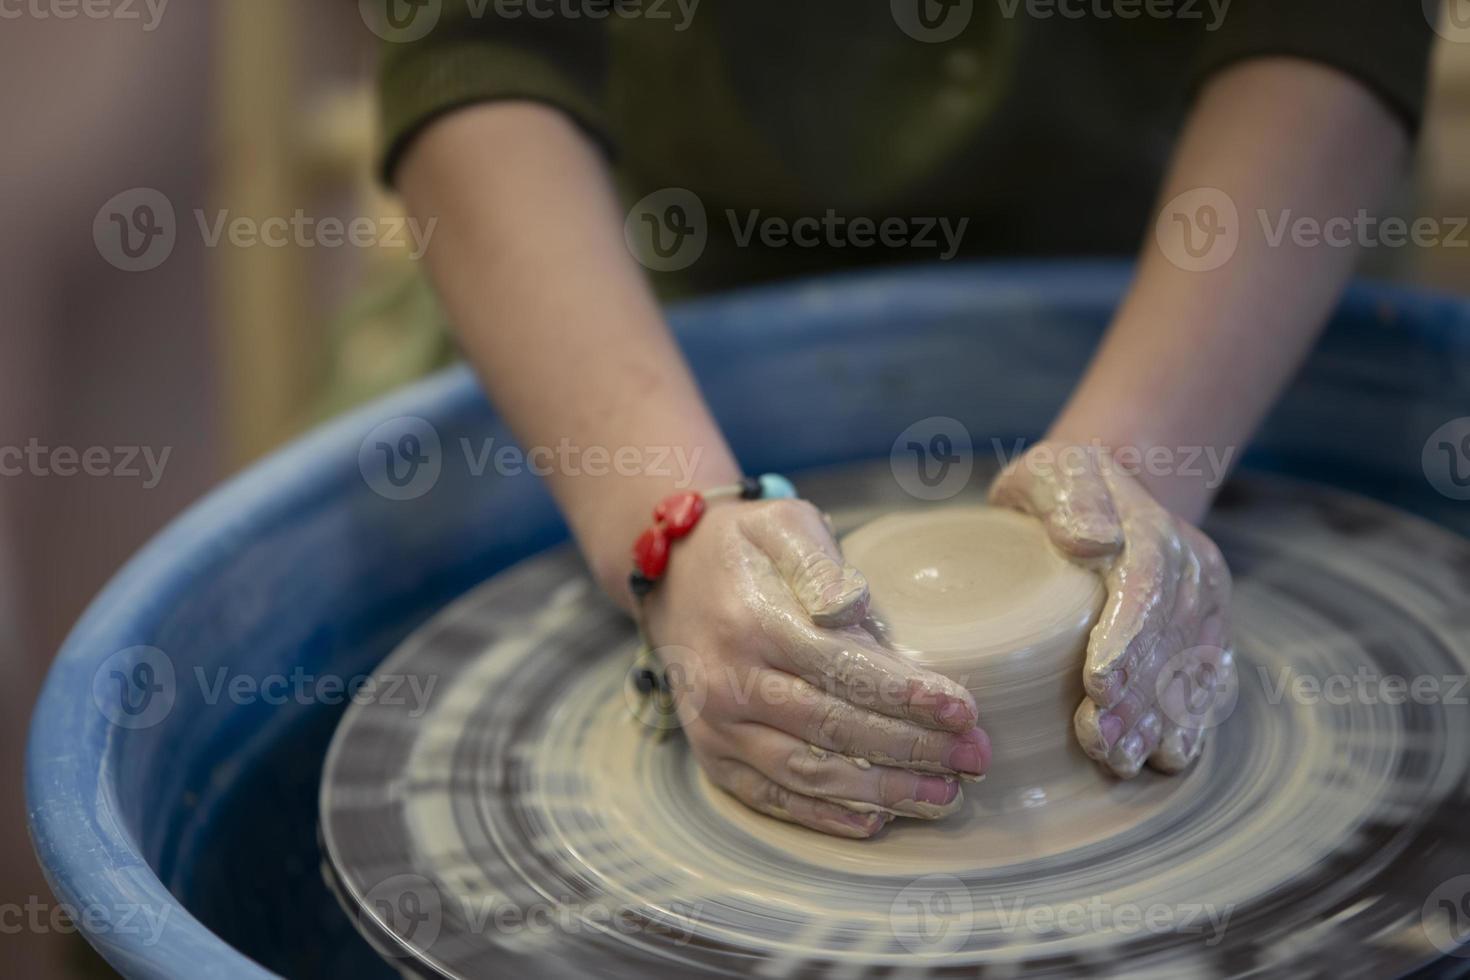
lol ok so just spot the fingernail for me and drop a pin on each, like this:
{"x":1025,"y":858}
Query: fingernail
{"x":1111,"y":726}
{"x":955,"y":713}
{"x":967,"y":754}
{"x":936,"y":789}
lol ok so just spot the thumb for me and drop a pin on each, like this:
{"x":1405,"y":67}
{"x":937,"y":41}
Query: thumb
{"x":799,"y":542}
{"x":1064,"y":488}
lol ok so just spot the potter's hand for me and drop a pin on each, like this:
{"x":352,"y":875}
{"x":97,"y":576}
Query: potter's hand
{"x":1159,"y":655}
{"x":788,"y":702}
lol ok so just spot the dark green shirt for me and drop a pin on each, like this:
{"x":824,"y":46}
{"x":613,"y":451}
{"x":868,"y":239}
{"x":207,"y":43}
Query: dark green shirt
{"x":1043,"y":124}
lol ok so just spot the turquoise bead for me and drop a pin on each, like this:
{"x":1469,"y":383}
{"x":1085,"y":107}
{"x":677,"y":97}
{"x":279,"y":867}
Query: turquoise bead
{"x":776,"y":487}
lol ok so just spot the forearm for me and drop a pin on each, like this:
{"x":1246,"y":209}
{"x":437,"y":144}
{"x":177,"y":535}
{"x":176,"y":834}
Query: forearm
{"x":529,"y":261}
{"x":1194,"y":359}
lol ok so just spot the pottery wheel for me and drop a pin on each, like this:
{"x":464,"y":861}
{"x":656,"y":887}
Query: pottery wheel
{"x":519,"y":819}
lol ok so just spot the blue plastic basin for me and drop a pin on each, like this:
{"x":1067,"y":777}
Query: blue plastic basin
{"x":184,"y":836}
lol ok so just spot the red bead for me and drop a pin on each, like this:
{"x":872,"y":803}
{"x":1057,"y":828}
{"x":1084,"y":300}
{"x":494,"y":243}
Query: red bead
{"x":679,"y":512}
{"x":651,"y":553}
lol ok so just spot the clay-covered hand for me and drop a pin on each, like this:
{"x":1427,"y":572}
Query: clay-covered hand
{"x":1159,"y":670}
{"x":788,"y":702}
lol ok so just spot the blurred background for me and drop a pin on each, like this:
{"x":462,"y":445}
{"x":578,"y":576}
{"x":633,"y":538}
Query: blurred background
{"x":134,"y":377}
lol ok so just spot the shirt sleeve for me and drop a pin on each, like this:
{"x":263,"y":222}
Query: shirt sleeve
{"x":1384,"y":44}
{"x":483,"y":51}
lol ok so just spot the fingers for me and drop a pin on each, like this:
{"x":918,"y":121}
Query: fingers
{"x":812,"y":772}
{"x":774,"y":800}
{"x":798,"y":541}
{"x":1064,"y":488}
{"x":851,"y":665}
{"x":796,"y":707}
{"x":1141,"y":596}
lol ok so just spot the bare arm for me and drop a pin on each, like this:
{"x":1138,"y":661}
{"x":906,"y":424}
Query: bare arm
{"x":556,"y":317}
{"x":1196,"y":354}
{"x":530,"y":261}
{"x":1195,"y":358}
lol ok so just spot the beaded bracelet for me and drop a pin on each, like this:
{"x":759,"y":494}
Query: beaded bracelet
{"x":677,"y":514}
{"x":674,"y":517}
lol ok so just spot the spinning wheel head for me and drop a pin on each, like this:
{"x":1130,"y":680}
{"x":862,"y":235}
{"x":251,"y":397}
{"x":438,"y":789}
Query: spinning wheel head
{"x":541,"y":831}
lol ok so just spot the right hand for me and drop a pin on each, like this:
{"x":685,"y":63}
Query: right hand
{"x":788,"y":702}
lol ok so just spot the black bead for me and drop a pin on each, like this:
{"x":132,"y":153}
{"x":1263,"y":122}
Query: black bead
{"x":645,"y":680}
{"x":750,"y":488}
{"x":640,"y":584}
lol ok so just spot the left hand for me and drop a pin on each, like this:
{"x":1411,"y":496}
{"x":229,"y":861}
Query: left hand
{"x":1159,"y":659}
